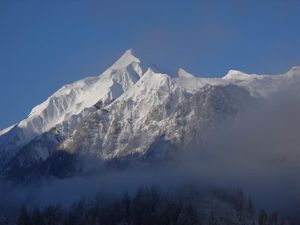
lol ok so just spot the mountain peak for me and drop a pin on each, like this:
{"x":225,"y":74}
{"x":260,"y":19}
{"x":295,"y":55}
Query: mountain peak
{"x":235,"y":74}
{"x":294,"y":70}
{"x":126,"y":59}
{"x":184,"y":74}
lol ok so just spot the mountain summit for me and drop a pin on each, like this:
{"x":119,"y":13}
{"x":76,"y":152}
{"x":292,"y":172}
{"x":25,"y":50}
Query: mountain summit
{"x":128,"y":58}
{"x":71,"y":102}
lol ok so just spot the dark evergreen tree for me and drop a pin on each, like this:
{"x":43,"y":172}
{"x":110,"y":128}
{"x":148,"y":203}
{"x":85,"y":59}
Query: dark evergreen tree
{"x":263,"y":217}
{"x":125,"y":208}
{"x":37,"y":217}
{"x":24,"y":218}
{"x":187,"y":216}
{"x":273,"y":220}
{"x":251,"y":209}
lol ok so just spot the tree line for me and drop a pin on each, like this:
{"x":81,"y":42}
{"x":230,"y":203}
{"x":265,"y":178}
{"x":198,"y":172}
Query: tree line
{"x":153,"y":206}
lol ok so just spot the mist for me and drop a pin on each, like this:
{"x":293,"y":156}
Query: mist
{"x":257,"y":152}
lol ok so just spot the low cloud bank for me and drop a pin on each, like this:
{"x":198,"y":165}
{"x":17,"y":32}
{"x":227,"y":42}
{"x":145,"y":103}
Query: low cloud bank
{"x":258,"y":152}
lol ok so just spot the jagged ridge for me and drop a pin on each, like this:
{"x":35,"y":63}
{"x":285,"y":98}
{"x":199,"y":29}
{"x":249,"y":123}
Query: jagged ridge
{"x":127,"y":109}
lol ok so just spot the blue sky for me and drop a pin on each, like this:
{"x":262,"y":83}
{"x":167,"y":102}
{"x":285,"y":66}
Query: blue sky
{"x":45,"y":44}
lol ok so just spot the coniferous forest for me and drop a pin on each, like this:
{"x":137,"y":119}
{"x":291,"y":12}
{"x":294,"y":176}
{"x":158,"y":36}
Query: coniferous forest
{"x":153,"y":206}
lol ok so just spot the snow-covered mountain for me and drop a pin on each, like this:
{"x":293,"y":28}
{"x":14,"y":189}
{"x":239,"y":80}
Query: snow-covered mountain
{"x":133,"y":110}
{"x":70,"y":103}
